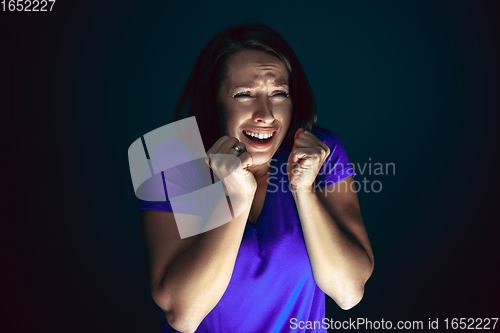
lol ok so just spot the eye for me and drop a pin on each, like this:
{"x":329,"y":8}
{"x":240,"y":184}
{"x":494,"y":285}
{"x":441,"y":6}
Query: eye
{"x":281,"y":94}
{"x":242,"y":95}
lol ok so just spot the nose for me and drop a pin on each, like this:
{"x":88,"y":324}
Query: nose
{"x":263,"y":113}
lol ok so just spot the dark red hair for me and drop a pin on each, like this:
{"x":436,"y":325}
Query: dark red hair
{"x":199,"y":95}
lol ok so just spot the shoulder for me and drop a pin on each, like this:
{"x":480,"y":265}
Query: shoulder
{"x":338,"y":154}
{"x":337,"y":165}
{"x":331,"y":139}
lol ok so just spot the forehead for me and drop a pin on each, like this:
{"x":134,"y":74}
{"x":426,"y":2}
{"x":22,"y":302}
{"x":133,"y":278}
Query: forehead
{"x":250,"y":67}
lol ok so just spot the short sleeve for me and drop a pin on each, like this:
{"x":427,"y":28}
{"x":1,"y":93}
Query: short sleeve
{"x":182,"y":185}
{"x":180,"y":182}
{"x":189,"y":190}
{"x":337,"y":165}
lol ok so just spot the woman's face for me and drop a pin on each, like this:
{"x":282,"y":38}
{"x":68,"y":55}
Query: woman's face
{"x":255,"y":102}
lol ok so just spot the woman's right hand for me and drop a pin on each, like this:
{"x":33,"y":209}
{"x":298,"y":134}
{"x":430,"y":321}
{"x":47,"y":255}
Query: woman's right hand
{"x":232,"y":166}
{"x":181,"y":268}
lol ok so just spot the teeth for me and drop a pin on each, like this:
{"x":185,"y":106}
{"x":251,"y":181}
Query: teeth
{"x":260,"y":136}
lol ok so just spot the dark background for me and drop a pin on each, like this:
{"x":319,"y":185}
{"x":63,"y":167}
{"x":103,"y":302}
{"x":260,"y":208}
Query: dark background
{"x":410,"y":83}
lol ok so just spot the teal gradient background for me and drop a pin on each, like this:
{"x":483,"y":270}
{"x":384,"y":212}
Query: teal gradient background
{"x":414,"y":83}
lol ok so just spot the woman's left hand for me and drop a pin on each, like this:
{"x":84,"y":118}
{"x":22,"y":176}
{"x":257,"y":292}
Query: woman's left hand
{"x":306,"y":159}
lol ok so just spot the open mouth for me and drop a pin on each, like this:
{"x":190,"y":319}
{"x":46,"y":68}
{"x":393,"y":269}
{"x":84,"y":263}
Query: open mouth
{"x":259,"y":138}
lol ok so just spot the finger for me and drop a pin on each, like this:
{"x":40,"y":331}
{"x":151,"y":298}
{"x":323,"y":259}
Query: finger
{"x":228,"y":144}
{"x":297,"y":133}
{"x":314,"y":138}
{"x":224,"y":146}
{"x":310,"y":140}
{"x":304,"y":141}
{"x":246,"y":160}
{"x":217,"y":145}
{"x":215,"y":148}
{"x":238,"y":149}
{"x":307,"y":154}
{"x":242,"y":146}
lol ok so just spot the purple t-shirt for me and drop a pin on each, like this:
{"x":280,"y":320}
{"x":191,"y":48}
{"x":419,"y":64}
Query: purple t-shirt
{"x":272,"y":288}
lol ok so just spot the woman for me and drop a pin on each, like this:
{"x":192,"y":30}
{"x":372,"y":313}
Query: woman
{"x":300,"y":236}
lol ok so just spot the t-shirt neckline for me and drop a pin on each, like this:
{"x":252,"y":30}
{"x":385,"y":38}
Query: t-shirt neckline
{"x":276,"y":158}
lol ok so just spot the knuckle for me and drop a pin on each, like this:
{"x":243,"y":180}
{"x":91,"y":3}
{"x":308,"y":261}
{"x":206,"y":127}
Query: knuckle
{"x":246,"y":156}
{"x":222,"y":139}
{"x":232,"y":141}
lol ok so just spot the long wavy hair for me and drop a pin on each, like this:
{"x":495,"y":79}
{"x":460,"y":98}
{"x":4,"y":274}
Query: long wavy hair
{"x":199,"y":95}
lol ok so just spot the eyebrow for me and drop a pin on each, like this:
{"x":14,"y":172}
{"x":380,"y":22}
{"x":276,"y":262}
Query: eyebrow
{"x":274,"y":84}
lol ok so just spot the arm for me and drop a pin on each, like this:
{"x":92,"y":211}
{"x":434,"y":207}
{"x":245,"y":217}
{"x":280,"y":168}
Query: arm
{"x":336,"y":241}
{"x":189,"y":276}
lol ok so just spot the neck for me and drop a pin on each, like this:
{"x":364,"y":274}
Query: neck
{"x":260,"y":171}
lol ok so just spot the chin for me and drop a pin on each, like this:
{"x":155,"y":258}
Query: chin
{"x":259,"y":158}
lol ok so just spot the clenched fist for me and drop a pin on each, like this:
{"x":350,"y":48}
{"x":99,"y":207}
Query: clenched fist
{"x":306,"y":159}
